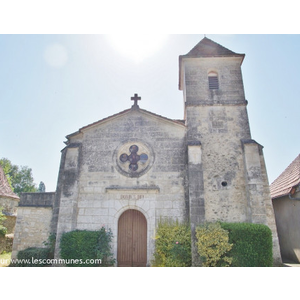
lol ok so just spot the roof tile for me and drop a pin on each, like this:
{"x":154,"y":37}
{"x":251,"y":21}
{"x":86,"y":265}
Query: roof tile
{"x":288,"y":179}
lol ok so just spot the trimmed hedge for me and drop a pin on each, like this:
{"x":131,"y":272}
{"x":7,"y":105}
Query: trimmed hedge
{"x":252,"y":244}
{"x":172,"y":245}
{"x":33,"y":257}
{"x":80,"y":247}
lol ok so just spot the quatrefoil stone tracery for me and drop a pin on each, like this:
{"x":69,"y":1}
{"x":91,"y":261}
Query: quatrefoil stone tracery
{"x":133,"y":158}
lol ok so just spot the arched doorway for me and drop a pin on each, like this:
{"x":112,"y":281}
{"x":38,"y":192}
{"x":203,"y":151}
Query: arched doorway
{"x":132,"y":239}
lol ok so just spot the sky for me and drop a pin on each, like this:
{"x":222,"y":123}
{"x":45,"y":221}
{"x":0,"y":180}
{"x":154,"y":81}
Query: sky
{"x":53,"y":84}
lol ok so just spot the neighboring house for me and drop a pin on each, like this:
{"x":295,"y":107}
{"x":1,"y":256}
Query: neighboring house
{"x":9,"y":203}
{"x":285,"y":193}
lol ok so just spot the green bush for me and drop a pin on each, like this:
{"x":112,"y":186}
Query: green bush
{"x":82,"y":248}
{"x":3,"y":230}
{"x":252,"y":244}
{"x":213,"y":245}
{"x":172,"y":245}
{"x":50,"y":244}
{"x":33,"y":257}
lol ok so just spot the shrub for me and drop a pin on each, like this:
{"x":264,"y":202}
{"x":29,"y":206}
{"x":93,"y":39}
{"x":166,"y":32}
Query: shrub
{"x":172,"y":245}
{"x":213,"y":245}
{"x":50,"y":244}
{"x":3,"y":229}
{"x":252,"y":244}
{"x":33,"y":257}
{"x":86,"y":245}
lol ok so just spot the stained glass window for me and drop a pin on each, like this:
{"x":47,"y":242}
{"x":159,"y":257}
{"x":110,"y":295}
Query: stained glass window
{"x":134,"y":158}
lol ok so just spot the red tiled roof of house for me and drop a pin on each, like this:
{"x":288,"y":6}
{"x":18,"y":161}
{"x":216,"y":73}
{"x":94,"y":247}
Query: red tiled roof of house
{"x":288,"y":179}
{"x":5,"y":189}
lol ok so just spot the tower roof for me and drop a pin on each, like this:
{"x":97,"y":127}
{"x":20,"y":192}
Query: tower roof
{"x":287,"y":180}
{"x":209,"y":48}
{"x":5,"y":189}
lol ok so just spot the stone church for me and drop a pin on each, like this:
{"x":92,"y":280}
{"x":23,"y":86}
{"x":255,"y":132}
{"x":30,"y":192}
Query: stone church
{"x":131,"y":169}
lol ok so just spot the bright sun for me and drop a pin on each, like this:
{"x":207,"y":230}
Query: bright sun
{"x":137,"y":46}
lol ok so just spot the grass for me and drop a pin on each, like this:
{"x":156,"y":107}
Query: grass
{"x":5,"y":259}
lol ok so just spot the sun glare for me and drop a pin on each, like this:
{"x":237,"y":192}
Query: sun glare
{"x":137,"y":46}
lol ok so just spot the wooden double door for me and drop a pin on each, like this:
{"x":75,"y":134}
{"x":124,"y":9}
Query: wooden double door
{"x":132,"y":239}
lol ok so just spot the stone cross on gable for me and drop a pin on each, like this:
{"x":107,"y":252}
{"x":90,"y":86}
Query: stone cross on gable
{"x":135,"y":98}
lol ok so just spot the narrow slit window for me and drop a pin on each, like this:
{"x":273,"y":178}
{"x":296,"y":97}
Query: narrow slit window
{"x":213,"y":81}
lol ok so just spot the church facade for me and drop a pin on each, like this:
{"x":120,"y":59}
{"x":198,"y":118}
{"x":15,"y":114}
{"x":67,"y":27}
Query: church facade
{"x":129,"y":170}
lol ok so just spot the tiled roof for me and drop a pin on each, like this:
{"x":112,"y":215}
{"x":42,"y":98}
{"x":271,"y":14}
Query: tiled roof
{"x":207,"y":47}
{"x":288,"y":179}
{"x":5,"y":189}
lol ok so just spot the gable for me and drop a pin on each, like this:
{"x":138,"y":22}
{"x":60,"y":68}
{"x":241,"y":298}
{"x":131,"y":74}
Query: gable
{"x":156,"y":138}
{"x":126,"y":117}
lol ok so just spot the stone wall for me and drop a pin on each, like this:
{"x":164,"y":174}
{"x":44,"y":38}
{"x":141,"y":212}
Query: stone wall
{"x":33,"y":222}
{"x":220,"y":132}
{"x":10,"y":223}
{"x":37,"y":199}
{"x":9,"y":206}
{"x":196,"y":194}
{"x":6,"y":243}
{"x":287,"y":212}
{"x":259,"y":203}
{"x":229,"y":72}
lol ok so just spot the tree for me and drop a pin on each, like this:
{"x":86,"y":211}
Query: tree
{"x":19,"y":178}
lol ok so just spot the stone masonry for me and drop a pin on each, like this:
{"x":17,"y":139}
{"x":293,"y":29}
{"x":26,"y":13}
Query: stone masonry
{"x":33,"y":221}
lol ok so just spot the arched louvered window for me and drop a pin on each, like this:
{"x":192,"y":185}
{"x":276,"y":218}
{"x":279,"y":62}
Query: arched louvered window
{"x":213,"y":81}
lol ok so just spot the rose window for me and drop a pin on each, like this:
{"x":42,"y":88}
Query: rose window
{"x":134,"y":158}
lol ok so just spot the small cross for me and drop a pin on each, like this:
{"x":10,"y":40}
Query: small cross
{"x":136,"y":98}
{"x":134,"y":158}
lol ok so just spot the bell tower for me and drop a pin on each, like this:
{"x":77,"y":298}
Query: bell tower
{"x":210,"y":75}
{"x":226,"y":170}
